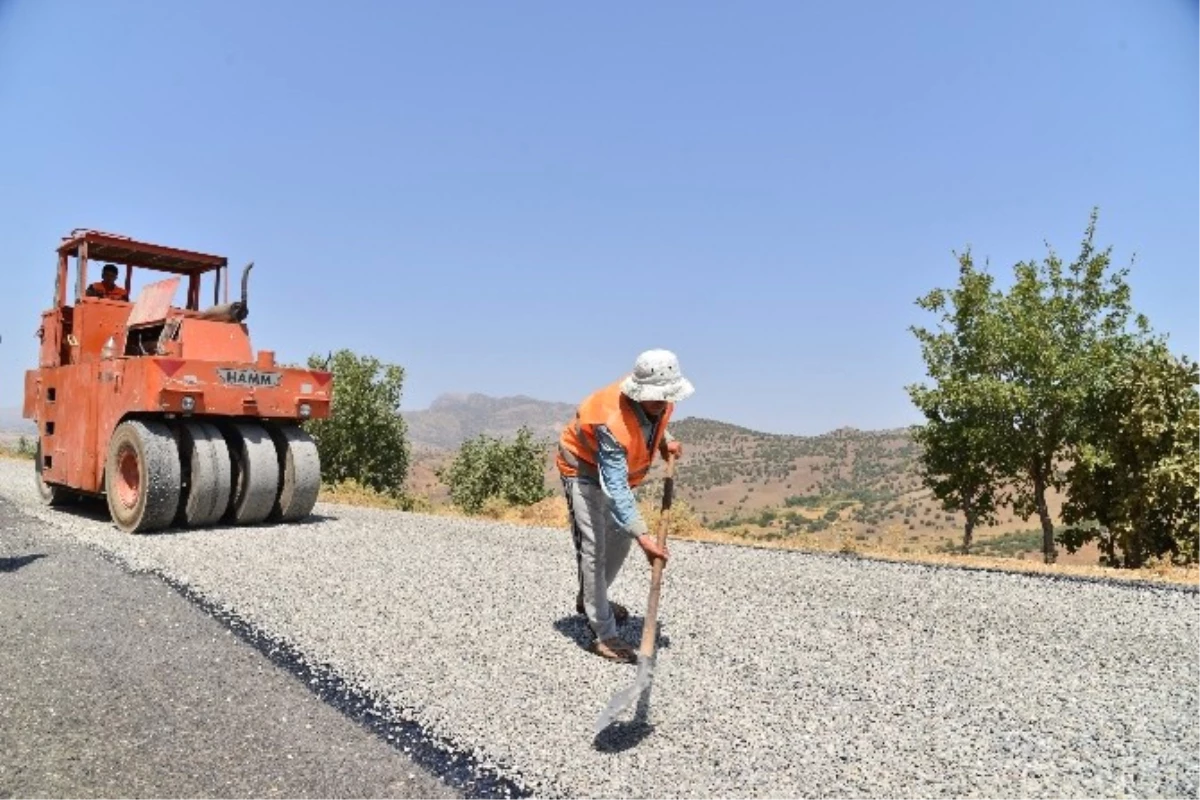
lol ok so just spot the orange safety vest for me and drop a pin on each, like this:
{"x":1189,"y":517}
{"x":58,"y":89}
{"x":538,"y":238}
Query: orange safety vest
{"x":98,"y":289}
{"x":611,"y":408}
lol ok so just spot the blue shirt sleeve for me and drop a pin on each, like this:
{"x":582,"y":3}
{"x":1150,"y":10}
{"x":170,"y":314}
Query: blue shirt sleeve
{"x":614,"y":480}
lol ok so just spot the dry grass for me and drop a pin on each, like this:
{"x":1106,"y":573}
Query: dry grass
{"x":1163,"y":572}
{"x":897,"y":545}
{"x":893,"y":545}
{"x":352,"y":493}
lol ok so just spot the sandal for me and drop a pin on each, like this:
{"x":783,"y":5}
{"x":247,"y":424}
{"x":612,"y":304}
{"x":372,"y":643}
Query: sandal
{"x":614,"y":649}
{"x":620,"y":612}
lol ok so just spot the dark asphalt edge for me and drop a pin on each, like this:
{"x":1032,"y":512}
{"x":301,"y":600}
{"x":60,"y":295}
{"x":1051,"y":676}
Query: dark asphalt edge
{"x":436,"y":754}
{"x":388,"y":723}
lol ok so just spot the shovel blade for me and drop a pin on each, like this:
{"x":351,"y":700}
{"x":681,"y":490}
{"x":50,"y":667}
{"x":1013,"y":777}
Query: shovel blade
{"x":628,"y":697}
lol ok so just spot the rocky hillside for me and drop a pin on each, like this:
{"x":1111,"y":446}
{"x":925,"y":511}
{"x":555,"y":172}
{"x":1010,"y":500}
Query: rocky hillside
{"x":728,"y":469}
{"x":725,"y":462}
{"x":845,"y":483}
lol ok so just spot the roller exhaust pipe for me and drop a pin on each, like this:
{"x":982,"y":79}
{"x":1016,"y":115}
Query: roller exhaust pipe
{"x":236,"y":311}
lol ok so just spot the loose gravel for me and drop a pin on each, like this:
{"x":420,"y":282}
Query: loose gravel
{"x":779,"y":673}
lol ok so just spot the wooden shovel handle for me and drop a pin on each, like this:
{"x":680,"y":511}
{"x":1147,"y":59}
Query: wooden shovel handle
{"x":650,"y":628}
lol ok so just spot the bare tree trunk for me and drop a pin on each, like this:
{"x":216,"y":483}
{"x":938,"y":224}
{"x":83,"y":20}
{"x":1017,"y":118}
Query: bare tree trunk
{"x":968,"y":510}
{"x":1049,"y":554}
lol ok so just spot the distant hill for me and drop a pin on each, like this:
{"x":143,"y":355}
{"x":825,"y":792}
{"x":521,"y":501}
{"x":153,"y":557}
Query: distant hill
{"x":454,"y":418}
{"x":13,"y":425}
{"x":728,"y":470}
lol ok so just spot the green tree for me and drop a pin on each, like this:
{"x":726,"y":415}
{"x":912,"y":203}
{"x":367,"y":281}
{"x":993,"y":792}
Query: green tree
{"x":956,"y":467}
{"x":963,"y":448}
{"x":1133,"y":483}
{"x":1064,"y":329}
{"x":1013,"y":373}
{"x":365,"y":437}
{"x":488,"y":466}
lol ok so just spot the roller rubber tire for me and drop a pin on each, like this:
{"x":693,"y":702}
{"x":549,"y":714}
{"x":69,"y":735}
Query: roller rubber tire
{"x":299,"y":473}
{"x":207,"y":472}
{"x":142,"y":476}
{"x":255,"y":478}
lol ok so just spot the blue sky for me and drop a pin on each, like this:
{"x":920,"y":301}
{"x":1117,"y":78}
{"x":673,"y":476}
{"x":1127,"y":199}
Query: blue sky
{"x":518,"y":198}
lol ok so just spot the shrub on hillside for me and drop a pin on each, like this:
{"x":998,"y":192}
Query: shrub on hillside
{"x":488,"y":468}
{"x":23,"y":449}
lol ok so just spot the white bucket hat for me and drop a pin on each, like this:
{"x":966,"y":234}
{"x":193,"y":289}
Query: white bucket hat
{"x":656,"y":376}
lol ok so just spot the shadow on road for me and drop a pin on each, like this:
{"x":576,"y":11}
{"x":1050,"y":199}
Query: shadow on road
{"x":16,"y":562}
{"x":621,"y":736}
{"x":314,"y":519}
{"x":86,"y":507}
{"x":575,"y":628}
{"x":618,"y":736}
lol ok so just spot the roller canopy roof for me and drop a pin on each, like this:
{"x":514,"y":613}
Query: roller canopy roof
{"x":123,"y":250}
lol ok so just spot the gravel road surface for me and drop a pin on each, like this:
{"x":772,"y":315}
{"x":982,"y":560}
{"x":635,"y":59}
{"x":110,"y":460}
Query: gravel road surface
{"x":780,"y":674}
{"x":115,"y":686}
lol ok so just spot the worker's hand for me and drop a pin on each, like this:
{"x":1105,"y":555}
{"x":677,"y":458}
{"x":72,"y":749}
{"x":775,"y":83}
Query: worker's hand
{"x":650,"y":547}
{"x":673,"y":448}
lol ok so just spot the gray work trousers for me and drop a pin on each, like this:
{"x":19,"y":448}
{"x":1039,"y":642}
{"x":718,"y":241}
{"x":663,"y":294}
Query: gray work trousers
{"x":601,"y":546}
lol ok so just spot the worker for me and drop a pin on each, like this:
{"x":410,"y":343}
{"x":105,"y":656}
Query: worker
{"x":603,"y":455}
{"x":107,"y":287}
